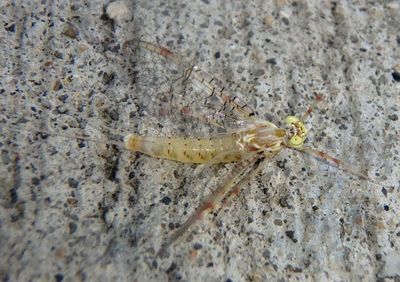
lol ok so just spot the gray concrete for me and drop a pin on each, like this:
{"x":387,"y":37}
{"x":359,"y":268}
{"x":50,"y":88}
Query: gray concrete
{"x":73,"y":210}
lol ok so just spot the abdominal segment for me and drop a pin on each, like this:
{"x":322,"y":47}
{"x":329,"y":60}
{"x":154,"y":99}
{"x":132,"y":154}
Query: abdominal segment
{"x":221,"y":149}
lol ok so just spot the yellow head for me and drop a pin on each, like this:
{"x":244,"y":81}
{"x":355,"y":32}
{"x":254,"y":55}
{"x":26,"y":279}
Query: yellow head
{"x":297,"y":132}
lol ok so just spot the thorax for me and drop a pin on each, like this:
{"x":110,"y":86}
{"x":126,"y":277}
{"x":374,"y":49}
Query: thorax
{"x":261,"y":136}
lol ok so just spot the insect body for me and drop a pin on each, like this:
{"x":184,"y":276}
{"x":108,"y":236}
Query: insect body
{"x":259,"y":136}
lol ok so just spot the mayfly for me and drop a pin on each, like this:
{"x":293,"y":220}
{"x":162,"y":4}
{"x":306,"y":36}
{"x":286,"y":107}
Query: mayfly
{"x":248,"y":146}
{"x":245,"y":140}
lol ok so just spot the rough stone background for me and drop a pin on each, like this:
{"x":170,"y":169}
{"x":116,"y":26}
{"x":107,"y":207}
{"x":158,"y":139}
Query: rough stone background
{"x":73,"y":210}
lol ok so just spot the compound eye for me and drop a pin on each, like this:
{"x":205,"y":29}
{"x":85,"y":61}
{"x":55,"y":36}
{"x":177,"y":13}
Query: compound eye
{"x":296,"y":141}
{"x":291,"y":120}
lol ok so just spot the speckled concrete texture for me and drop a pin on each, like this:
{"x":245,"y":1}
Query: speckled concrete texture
{"x":73,"y":210}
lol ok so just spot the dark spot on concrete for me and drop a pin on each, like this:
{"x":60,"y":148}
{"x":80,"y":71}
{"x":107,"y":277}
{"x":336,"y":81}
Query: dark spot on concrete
{"x":19,"y":214}
{"x":73,"y":183}
{"x":386,"y":207}
{"x":291,"y":268}
{"x":72,"y":228}
{"x":171,"y":268}
{"x":63,"y":98}
{"x":384,"y":191}
{"x":71,"y":32}
{"x":283,"y":202}
{"x":13,"y":196}
{"x":290,"y":234}
{"x":35,"y":181}
{"x":394,"y":117}
{"x":217,"y":55}
{"x":57,"y":85}
{"x":59,"y":277}
{"x":166,"y":200}
{"x":108,"y":77}
{"x":115,"y":195}
{"x":315,"y":208}
{"x":197,"y":246}
{"x":266,"y":254}
{"x":72,"y":202}
{"x":58,"y":54}
{"x":272,"y":61}
{"x":285,"y":21}
{"x":210,"y":264}
{"x":114,"y":115}
{"x":10,"y":28}
{"x":282,"y":164}
{"x":396,"y":76}
{"x":181,"y":39}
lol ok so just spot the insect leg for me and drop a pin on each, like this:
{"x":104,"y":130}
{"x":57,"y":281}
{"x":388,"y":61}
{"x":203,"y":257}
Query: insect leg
{"x":241,"y":173}
{"x":334,"y":161}
{"x":235,"y":191}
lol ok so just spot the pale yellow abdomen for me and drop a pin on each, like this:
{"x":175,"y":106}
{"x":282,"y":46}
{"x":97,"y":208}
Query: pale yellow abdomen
{"x":221,"y":149}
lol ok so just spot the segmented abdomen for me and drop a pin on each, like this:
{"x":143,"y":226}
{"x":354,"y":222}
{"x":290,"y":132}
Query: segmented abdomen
{"x":221,"y":149}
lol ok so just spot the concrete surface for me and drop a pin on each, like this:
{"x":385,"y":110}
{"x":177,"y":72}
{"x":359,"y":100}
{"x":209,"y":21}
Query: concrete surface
{"x":74,"y":210}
